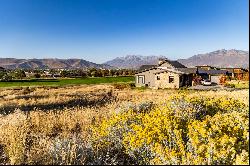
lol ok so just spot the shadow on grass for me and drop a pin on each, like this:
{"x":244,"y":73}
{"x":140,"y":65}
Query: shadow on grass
{"x":82,"y":102}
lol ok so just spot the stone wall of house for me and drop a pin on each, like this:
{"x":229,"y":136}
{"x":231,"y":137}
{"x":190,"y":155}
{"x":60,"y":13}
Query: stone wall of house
{"x":164,"y":80}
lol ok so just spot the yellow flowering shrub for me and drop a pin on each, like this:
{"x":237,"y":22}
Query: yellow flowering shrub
{"x":107,"y":139}
{"x":219,"y":139}
{"x":181,"y":130}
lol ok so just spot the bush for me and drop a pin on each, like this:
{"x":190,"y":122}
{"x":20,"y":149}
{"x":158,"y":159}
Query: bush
{"x":27,"y":90}
{"x":197,"y":80}
{"x":132,"y":85}
{"x":121,"y":86}
{"x":37,"y":75}
{"x":229,"y":85}
{"x":182,"y":130}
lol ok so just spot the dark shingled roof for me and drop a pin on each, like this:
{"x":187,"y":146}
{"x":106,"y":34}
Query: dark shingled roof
{"x":204,"y":66}
{"x":228,"y":69}
{"x":188,"y":70}
{"x":144,"y":67}
{"x":213,"y":71}
{"x":176,"y":64}
{"x":141,"y":71}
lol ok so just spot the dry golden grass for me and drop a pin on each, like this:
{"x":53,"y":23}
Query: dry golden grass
{"x":55,"y":128}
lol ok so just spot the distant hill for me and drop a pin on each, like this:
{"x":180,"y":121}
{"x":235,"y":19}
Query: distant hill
{"x":133,"y":61}
{"x":219,"y":58}
{"x":12,"y":63}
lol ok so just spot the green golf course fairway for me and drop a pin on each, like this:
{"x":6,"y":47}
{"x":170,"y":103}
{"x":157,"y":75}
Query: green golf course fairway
{"x":61,"y":82}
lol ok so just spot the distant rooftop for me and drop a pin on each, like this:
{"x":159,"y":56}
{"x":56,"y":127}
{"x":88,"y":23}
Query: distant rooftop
{"x":213,"y":71}
{"x":203,"y":66}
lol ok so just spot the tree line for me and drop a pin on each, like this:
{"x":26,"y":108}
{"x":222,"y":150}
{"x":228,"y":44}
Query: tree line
{"x":6,"y":75}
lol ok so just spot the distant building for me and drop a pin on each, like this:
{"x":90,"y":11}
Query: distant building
{"x":29,"y":74}
{"x":213,"y":75}
{"x":236,"y":72}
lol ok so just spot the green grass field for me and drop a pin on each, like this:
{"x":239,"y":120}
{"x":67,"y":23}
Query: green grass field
{"x":61,"y":82}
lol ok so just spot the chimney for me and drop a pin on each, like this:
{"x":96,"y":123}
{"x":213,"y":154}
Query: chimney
{"x":161,"y":61}
{"x":197,"y":70}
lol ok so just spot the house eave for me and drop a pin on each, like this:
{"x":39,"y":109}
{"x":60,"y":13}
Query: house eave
{"x":169,"y":70}
{"x":145,"y":70}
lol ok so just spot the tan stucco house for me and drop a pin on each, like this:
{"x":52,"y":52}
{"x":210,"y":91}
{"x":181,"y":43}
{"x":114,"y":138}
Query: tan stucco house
{"x":167,"y":74}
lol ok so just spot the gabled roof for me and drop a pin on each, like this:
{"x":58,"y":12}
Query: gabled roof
{"x":153,"y":68}
{"x":145,"y":67}
{"x":175,"y":64}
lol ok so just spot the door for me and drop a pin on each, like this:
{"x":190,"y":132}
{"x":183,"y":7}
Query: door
{"x":141,"y":79}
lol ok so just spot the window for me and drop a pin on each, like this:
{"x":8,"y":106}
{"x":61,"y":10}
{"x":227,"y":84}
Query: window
{"x":171,"y":79}
{"x":158,"y":77}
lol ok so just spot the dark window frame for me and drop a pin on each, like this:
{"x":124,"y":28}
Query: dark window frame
{"x":171,"y":79}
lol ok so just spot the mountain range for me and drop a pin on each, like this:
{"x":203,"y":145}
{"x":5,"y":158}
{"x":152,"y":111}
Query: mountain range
{"x":133,"y":61}
{"x":12,"y":63}
{"x":219,"y":58}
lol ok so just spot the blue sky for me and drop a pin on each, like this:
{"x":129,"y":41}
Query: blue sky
{"x":100,"y":30}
